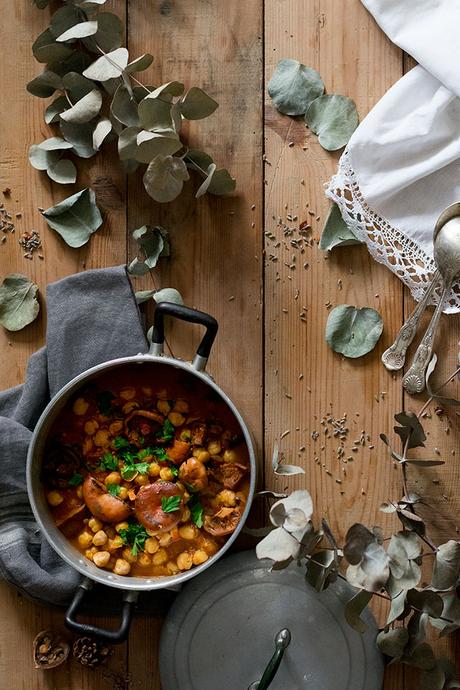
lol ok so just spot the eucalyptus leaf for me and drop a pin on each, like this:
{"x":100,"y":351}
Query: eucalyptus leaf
{"x":353,"y":332}
{"x":422,"y":657}
{"x":169,"y":90}
{"x":284,"y":470}
{"x":77,"y":85}
{"x":336,"y":232}
{"x":411,"y":521}
{"x":410,"y":430}
{"x":426,"y":601}
{"x":54,"y":144}
{"x":299,"y":499}
{"x":321,"y":569}
{"x":196,"y":104}
{"x":446,"y":568}
{"x":75,"y":218}
{"x":55,"y":108}
{"x":222,"y":183}
{"x":80,"y":136}
{"x":41,"y":159}
{"x":442,"y":399}
{"x":354,"y":608}
{"x":152,"y":144}
{"x":85,"y":109}
{"x":293,"y":87}
{"x":109,"y":34}
{"x":77,"y":61}
{"x":372,"y":572}
{"x":203,"y":188}
{"x":155,"y":113}
{"x":63,"y":172}
{"x":198,"y":160}
{"x":393,"y":642}
{"x":164,"y":178}
{"x":144,"y":296}
{"x":278,"y":545}
{"x":397,"y":607}
{"x":433,"y":679}
{"x":45,"y":48}
{"x":450,"y":615}
{"x":64,"y":18}
{"x":168,"y":295}
{"x":424,"y":463}
{"x":101,"y":131}
{"x":80,"y":30}
{"x":45,"y":84}
{"x":153,"y":243}
{"x":18,"y":302}
{"x":124,"y":106}
{"x":108,"y":66}
{"x":139,"y":64}
{"x":334,"y":119}
{"x":127,"y":143}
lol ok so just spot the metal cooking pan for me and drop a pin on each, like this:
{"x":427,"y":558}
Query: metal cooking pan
{"x":152,"y":362}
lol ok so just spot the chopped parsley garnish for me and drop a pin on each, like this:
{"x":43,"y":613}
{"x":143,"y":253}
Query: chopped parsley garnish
{"x":169,"y":504}
{"x":76,"y":479}
{"x":167,"y":432}
{"x":174,"y":470}
{"x":104,"y":403}
{"x":134,"y":535}
{"x":160,"y":454}
{"x":131,"y":468}
{"x":108,"y":462}
{"x":113,"y":489}
{"x":196,"y":511}
{"x":120,"y":442}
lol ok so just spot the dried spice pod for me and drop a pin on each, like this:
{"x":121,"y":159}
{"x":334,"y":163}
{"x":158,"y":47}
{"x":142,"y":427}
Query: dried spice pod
{"x":50,"y":649}
{"x":90,"y":652}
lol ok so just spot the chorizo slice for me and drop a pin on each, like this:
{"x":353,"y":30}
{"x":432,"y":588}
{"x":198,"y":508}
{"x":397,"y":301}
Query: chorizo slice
{"x":198,"y":433}
{"x":148,"y":506}
{"x":69,"y":508}
{"x":193,"y":473}
{"x":101,"y":504}
{"x":179,"y":451}
{"x":229,"y":474}
{"x":223,"y":522}
{"x":146,"y":422}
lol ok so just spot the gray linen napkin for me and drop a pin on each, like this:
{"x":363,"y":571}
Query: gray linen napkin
{"x":92,"y":317}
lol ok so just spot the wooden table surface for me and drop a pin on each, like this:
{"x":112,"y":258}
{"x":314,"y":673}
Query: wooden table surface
{"x":220,"y":263}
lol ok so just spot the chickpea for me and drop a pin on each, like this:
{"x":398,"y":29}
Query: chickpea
{"x":142,"y":479}
{"x":185,"y":514}
{"x":144,"y":559}
{"x":166,"y":474}
{"x":165,"y":539}
{"x":91,"y":427}
{"x":152,"y":532}
{"x":85,"y":539}
{"x":214,"y":447}
{"x":184,"y":561}
{"x":128,"y":393}
{"x":79,"y":492}
{"x":54,"y":498}
{"x":181,"y":406}
{"x":208,"y":545}
{"x":102,"y":438}
{"x":115,"y":543}
{"x":87,"y":445}
{"x":121,"y":567}
{"x":200,"y":556}
{"x":164,"y":407}
{"x":121,"y":525}
{"x":151,"y":545}
{"x":188,"y":531}
{"x":230,"y":456}
{"x":116,"y":427}
{"x":226,"y":498}
{"x":172,"y":568}
{"x":89,"y":553}
{"x":160,"y":557}
{"x":123,"y":493}
{"x":80,"y":407}
{"x":101,"y":558}
{"x":128,"y":555}
{"x":203,"y":456}
{"x":176,"y":418}
{"x":100,"y":538}
{"x":113,"y":478}
{"x":130,"y":406}
{"x":94,"y":524}
{"x":197,"y":451}
{"x":154,"y":469}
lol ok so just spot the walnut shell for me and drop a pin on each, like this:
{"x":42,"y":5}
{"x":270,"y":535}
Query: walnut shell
{"x":50,"y":648}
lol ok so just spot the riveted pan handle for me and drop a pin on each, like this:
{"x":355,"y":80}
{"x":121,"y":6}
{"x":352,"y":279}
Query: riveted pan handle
{"x":109,"y":636}
{"x":183,"y":313}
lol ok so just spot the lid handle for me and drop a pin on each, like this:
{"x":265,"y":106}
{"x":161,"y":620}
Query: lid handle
{"x":282,"y":641}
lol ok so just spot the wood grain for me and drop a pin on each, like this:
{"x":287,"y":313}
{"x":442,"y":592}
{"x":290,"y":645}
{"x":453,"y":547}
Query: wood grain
{"x":233,"y":257}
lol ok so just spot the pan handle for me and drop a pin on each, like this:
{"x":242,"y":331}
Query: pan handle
{"x":183,"y":313}
{"x":109,"y":636}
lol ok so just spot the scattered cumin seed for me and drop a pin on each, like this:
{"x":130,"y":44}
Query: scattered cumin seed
{"x":285,"y":433}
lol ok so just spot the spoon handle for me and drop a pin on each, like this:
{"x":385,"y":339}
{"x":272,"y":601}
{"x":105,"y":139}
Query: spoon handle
{"x":394,"y":357}
{"x":414,"y":378}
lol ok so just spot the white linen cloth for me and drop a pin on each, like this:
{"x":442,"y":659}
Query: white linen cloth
{"x":401,"y":167}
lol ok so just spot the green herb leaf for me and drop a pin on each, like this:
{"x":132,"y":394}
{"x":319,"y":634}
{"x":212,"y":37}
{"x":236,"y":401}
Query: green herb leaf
{"x":76,"y":479}
{"x":85,"y":109}
{"x":139,"y":64}
{"x":108,"y":36}
{"x":124,"y":106}
{"x":168,"y":295}
{"x":164,"y":178}
{"x":76,"y":85}
{"x":142,"y":467}
{"x":411,"y":430}
{"x":63,"y":172}
{"x":196,"y":511}
{"x":109,"y":462}
{"x":113,"y":489}
{"x":46,"y":49}
{"x":81,"y":30}
{"x":80,"y":136}
{"x":153,"y":243}
{"x":120,"y":442}
{"x":167,"y":433}
{"x":101,"y":131}
{"x":134,"y":535}
{"x":169,"y":504}
{"x":164,"y":143}
{"x":336,"y":232}
{"x":75,"y":218}
{"x":53,"y":111}
{"x":18,"y":302}
{"x":293,"y":87}
{"x":196,"y":104}
{"x":334,"y":119}
{"x":354,"y":608}
{"x":108,"y":66}
{"x":353,"y":332}
{"x":160,"y":454}
{"x":104,"y":402}
{"x":45,"y":84}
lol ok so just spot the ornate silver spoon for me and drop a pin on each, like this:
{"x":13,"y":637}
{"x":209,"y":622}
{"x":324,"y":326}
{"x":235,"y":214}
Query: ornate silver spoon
{"x":446,"y":238}
{"x":394,"y":357}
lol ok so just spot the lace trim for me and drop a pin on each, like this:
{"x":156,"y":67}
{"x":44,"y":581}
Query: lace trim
{"x":386,"y":244}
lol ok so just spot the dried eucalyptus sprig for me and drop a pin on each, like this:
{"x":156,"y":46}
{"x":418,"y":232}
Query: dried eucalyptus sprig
{"x":386,"y":567}
{"x":85,"y":65}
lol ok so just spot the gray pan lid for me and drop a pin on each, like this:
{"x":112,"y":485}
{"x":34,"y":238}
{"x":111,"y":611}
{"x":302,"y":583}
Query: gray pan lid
{"x":220,"y":631}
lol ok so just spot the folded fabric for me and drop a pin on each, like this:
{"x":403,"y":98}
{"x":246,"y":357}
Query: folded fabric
{"x":401,"y":167}
{"x":92,"y":317}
